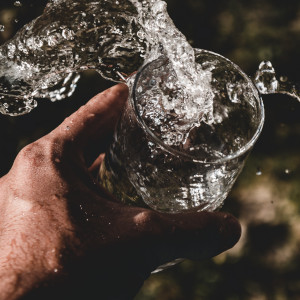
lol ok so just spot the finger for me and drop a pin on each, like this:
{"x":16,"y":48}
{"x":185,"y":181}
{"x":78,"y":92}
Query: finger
{"x":202,"y":234}
{"x":94,"y":168}
{"x":197,"y":236}
{"x":96,"y":119}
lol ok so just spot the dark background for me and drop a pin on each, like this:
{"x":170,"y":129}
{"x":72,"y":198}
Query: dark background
{"x":265,"y":265}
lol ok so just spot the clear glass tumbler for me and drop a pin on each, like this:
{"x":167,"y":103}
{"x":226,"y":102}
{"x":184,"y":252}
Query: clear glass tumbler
{"x":142,"y":167}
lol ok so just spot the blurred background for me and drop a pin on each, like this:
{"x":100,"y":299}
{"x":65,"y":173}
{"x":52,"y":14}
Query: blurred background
{"x":265,"y":264}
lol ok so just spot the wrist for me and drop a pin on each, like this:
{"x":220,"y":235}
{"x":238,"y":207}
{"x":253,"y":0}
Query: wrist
{"x":18,"y":275}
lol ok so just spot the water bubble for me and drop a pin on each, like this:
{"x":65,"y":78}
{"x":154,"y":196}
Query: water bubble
{"x":152,"y":82}
{"x":234,"y":91}
{"x":67,"y":34}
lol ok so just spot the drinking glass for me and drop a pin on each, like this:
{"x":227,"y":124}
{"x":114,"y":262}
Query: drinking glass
{"x":146,"y":165}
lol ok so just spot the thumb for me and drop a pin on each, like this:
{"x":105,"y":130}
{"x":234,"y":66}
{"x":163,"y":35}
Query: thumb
{"x":96,"y":119}
{"x":196,"y":236}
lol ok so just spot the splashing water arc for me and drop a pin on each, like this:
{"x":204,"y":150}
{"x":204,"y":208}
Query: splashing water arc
{"x":44,"y":58}
{"x":267,"y":83}
{"x":115,"y":38}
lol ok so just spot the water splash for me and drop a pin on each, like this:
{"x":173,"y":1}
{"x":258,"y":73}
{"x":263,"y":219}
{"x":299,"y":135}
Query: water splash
{"x":18,"y":4}
{"x":44,"y":58}
{"x":113,"y":37}
{"x":186,"y":93}
{"x":267,"y":83}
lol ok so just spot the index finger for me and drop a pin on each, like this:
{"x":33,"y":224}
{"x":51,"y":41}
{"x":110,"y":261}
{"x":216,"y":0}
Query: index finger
{"x":94,"y":120}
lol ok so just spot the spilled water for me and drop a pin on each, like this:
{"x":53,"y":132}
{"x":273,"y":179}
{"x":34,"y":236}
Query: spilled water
{"x":114,"y":37}
{"x":267,"y":83}
{"x":45,"y":57}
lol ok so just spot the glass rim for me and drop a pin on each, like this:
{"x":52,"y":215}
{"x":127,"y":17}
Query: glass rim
{"x":177,"y":153}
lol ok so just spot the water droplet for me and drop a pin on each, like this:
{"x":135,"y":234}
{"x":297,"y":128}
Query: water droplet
{"x":17,"y":3}
{"x":55,"y":270}
{"x":265,"y":79}
{"x":2,"y":27}
{"x":16,"y":21}
{"x":258,"y":172}
{"x":283,"y":78}
{"x":67,"y":127}
{"x":266,"y":82}
{"x":287,"y":171}
{"x":152,"y":82}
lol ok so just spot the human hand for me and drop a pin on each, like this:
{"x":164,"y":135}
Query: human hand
{"x":63,"y":237}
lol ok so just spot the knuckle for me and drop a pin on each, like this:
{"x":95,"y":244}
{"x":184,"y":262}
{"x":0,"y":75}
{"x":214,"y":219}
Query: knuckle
{"x":149,"y":220}
{"x":43,"y":151}
{"x":34,"y":153}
